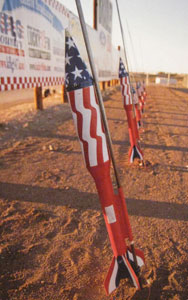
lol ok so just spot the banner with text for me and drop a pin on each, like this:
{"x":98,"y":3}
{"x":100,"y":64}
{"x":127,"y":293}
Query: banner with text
{"x":32,"y":43}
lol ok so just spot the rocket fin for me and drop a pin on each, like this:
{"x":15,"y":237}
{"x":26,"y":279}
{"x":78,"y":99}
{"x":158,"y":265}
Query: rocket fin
{"x":139,"y":256}
{"x":120,"y":268}
{"x":135,"y":152}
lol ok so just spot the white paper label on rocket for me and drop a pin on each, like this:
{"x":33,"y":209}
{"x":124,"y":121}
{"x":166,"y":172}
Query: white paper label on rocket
{"x":110,"y":213}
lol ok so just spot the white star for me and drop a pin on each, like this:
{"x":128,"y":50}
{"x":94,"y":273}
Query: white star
{"x":67,"y":59}
{"x":77,"y":73}
{"x":67,"y":80}
{"x":70,"y":43}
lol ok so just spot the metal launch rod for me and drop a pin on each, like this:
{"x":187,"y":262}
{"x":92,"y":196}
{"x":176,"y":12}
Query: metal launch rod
{"x":122,"y":34}
{"x":130,"y":37}
{"x":97,"y":88}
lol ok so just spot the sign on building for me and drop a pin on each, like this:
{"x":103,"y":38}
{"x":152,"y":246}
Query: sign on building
{"x":32,"y":43}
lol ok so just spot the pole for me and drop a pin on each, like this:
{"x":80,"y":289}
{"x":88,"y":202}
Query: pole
{"x":97,"y":88}
{"x":168,"y":81}
{"x":95,"y":15}
{"x":122,"y":34}
{"x":133,"y":53}
{"x":38,"y":97}
{"x":147,"y":79}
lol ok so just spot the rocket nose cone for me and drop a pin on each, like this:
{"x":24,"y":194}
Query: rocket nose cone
{"x":76,"y":73}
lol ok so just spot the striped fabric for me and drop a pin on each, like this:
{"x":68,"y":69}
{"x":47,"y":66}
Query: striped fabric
{"x":85,"y":109}
{"x":135,"y":96}
{"x":126,"y":92}
{"x":88,"y":123}
{"x":125,"y":85}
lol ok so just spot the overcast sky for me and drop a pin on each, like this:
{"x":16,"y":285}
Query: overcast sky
{"x":156,"y":36}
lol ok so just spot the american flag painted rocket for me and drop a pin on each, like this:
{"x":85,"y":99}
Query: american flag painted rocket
{"x":85,"y":110}
{"x":134,"y":151}
{"x":87,"y":118}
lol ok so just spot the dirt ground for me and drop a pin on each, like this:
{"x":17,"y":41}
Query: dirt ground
{"x":53,"y":240}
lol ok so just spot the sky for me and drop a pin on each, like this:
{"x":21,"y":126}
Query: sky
{"x":155,"y":32}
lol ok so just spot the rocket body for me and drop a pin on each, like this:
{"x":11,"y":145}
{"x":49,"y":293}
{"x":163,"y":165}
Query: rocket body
{"x":141,"y":101}
{"x":89,"y":127}
{"x":134,"y":151}
{"x":87,"y":120}
{"x":132,"y":134}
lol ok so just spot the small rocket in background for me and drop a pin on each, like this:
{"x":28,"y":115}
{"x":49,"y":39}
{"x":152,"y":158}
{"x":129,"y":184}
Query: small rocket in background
{"x":137,"y":108}
{"x":87,"y":118}
{"x":140,"y":94}
{"x":134,"y":151}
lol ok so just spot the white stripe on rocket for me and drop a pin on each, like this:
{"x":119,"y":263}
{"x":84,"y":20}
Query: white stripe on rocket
{"x":99,"y":127}
{"x":86,"y":114}
{"x":112,"y":283}
{"x":139,"y":153}
{"x":74,"y":115}
{"x":132,"y":153}
{"x":127,"y":91}
{"x":139,"y":259}
{"x":141,"y":157}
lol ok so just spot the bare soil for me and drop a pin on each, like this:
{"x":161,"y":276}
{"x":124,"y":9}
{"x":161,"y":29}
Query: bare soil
{"x":53,"y":240}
